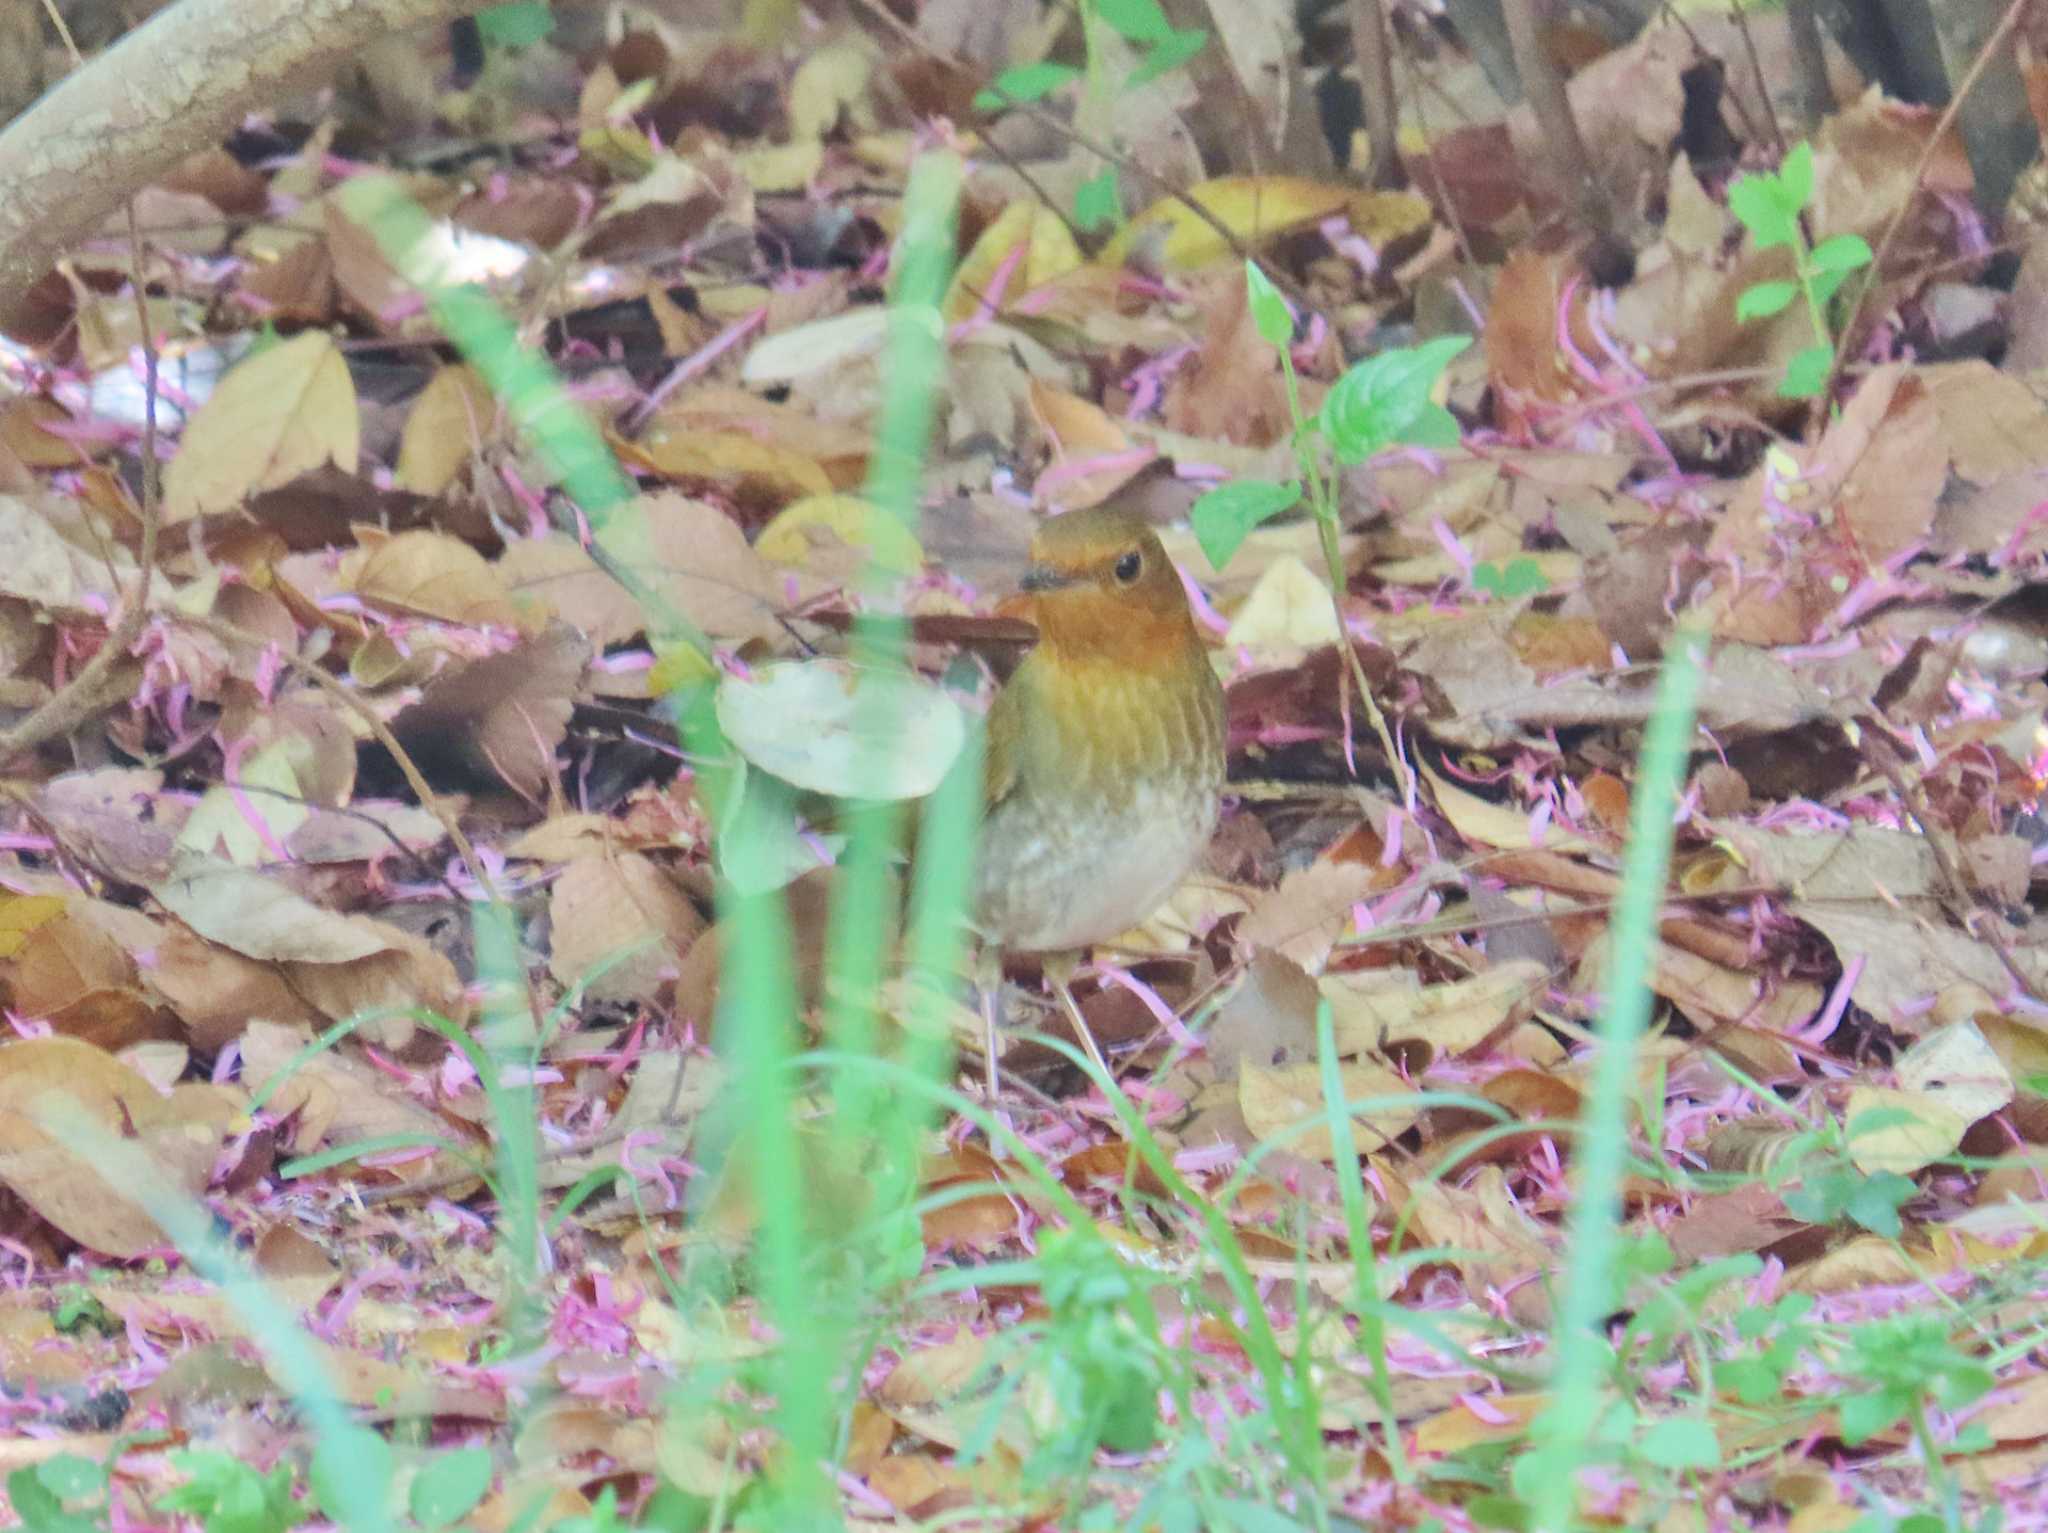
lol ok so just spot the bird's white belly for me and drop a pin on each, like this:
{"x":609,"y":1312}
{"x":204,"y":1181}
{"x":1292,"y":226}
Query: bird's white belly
{"x":1084,"y":882}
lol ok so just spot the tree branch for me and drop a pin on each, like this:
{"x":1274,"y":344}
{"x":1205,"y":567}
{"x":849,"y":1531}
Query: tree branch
{"x":176,"y":84}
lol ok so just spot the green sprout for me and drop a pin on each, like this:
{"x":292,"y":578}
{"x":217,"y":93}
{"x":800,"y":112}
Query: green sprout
{"x":1769,"y":207}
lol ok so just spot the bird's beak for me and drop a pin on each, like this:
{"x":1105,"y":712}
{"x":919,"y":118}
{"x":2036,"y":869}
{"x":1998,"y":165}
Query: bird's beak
{"x":1043,"y":577}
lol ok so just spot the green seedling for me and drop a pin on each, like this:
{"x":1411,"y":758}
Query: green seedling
{"x":229,"y":1496}
{"x":1518,"y":577}
{"x":1384,"y":401}
{"x":1779,"y":1337}
{"x":1908,"y":1360}
{"x":77,"y":1310}
{"x":1387,"y":400}
{"x":1821,"y":1182}
{"x":1770,"y":206}
{"x":1161,"y":47}
{"x":448,"y":1486}
{"x":65,"y":1494}
{"x":1103,"y":1376}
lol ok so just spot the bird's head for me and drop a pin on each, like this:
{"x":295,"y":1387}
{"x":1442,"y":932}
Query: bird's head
{"x":1100,"y":586}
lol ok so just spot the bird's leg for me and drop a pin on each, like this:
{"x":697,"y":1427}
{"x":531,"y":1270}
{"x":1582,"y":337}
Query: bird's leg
{"x":1059,"y":969}
{"x":988,"y":979}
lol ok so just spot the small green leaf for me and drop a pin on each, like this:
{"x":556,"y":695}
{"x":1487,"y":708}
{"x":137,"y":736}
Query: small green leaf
{"x":1251,"y":1517}
{"x":1974,"y":1438}
{"x":1027,"y":82}
{"x":1139,"y":21}
{"x":1876,"y":1202}
{"x":1270,"y":314}
{"x":1096,"y":201}
{"x":40,"y":1510}
{"x":1757,"y":203}
{"x":1824,"y":285}
{"x":1169,"y":54}
{"x":1522,"y":577}
{"x":343,"y":1464}
{"x":1963,"y":1382}
{"x":1753,"y":1379}
{"x":520,"y":24}
{"x":1682,"y":1442}
{"x":72,"y":1478}
{"x":1385,"y":399}
{"x":1497,"y":1511}
{"x":1763,"y":299}
{"x":1227,"y":515}
{"x":229,"y":1496}
{"x":1434,"y":427}
{"x":449,"y":1486}
{"x":1807,"y":373}
{"x":1864,"y":1416}
{"x":1795,"y":176}
{"x":1843,"y":253}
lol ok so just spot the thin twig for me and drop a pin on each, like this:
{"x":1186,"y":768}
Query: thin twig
{"x":93,"y":687}
{"x":1543,"y":83}
{"x":1379,"y":106}
{"x":1671,"y":13}
{"x":56,"y":14}
{"x":1763,"y":85}
{"x":1447,"y":201}
{"x":1121,"y":161}
{"x":2014,"y":15}
{"x":1963,"y":906}
{"x":431,"y":801}
{"x":549,"y":1155}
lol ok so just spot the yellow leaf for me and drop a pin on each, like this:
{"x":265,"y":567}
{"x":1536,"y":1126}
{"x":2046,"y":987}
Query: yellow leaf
{"x":1916,"y":1131}
{"x":431,"y":575}
{"x":1383,"y":217}
{"x":1497,"y":825}
{"x":1049,"y":252}
{"x":833,"y":80}
{"x":1093,"y":457}
{"x":447,"y":422}
{"x":1462,"y":1426}
{"x":282,"y":413}
{"x":781,"y":167}
{"x":855,"y":522}
{"x":619,"y":148}
{"x":677,"y":665}
{"x":733,"y":461}
{"x":21,"y":914}
{"x":1253,"y":208}
{"x":1277,"y":1100}
{"x":247,"y":826}
{"x":1287,"y":613}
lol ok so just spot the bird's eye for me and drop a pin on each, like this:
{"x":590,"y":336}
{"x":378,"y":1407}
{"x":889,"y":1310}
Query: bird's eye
{"x":1128,"y":566}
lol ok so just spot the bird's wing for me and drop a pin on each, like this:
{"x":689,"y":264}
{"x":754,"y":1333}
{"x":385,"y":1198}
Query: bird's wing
{"x":999,"y":748}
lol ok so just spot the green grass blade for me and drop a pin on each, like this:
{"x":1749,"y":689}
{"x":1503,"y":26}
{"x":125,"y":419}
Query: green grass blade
{"x":1564,"y":1432}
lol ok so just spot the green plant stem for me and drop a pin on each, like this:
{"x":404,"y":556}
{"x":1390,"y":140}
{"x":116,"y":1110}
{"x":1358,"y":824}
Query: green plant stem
{"x":1322,"y":501}
{"x":922,"y":266}
{"x":869,"y":1127}
{"x":1575,"y":1408}
{"x":1293,"y":1406}
{"x":1365,"y":1297}
{"x":512,"y":1042}
{"x":1816,"y":306}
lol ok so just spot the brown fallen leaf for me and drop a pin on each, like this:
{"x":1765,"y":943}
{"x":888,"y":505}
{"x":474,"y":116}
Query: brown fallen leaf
{"x":281,"y":413}
{"x":52,"y":1088}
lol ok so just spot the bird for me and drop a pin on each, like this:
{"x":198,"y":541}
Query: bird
{"x":1104,"y":758}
